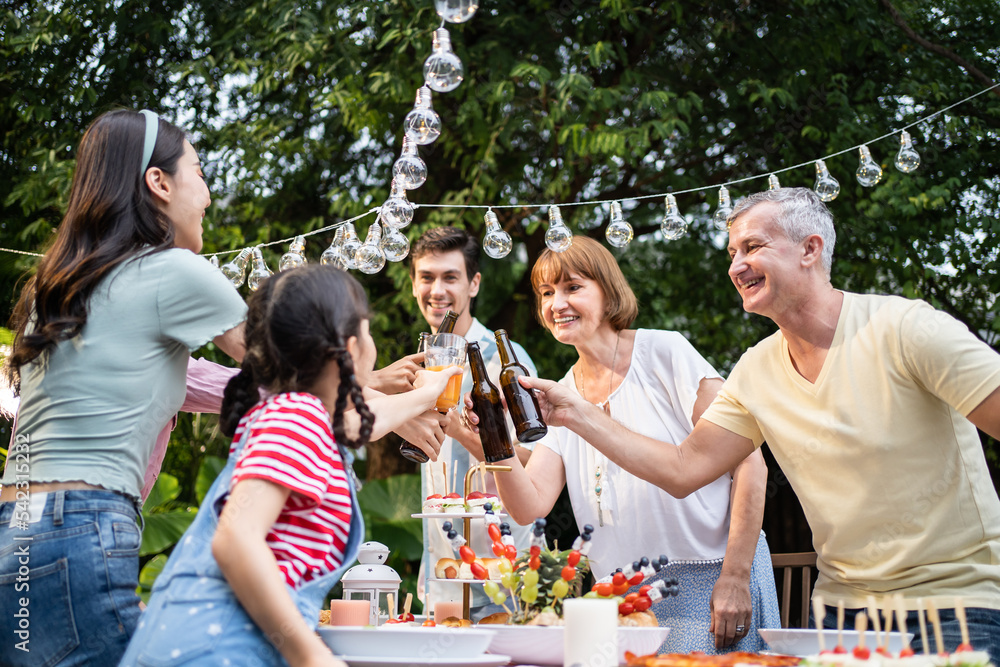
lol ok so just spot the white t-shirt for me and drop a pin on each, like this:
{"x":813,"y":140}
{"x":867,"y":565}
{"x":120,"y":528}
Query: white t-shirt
{"x":891,"y":476}
{"x":655,"y":399}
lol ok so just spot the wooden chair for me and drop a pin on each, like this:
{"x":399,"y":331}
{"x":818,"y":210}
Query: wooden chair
{"x":788,"y":564}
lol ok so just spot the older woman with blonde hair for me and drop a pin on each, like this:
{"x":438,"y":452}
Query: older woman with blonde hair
{"x":656,"y":384}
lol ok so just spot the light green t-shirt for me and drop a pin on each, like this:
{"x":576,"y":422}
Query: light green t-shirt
{"x":92,"y":406}
{"x":890,"y":473}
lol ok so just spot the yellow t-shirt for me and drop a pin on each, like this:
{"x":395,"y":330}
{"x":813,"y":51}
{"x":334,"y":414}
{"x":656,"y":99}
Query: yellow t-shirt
{"x":890,"y":473}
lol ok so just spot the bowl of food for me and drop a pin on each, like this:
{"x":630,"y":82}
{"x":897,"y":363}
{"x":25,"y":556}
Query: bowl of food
{"x":391,"y":641}
{"x":543,"y":645}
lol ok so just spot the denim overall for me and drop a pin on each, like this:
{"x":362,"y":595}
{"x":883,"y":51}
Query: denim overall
{"x":194,"y":617}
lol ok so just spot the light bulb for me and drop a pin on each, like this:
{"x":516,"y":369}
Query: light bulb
{"x":456,"y":11}
{"x":334,"y":255}
{"x":558,"y":238}
{"x":260,"y":271}
{"x":422,"y":124}
{"x":395,"y":246}
{"x":369,"y":258}
{"x":397,"y":211}
{"x":868,"y":173}
{"x":827,"y":187}
{"x":673,"y":224}
{"x":772,"y":182}
{"x":907,"y":159}
{"x":497,"y":243}
{"x":236,"y":270}
{"x":349,"y":247}
{"x":214,"y":261}
{"x":295,"y":256}
{"x":619,"y":232}
{"x":442,"y":69}
{"x":409,"y":171}
{"x":721,"y":217}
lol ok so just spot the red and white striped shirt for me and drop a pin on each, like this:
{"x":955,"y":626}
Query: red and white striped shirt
{"x":291,"y":444}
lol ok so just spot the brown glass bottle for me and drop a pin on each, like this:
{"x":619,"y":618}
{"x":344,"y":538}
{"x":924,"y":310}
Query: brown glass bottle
{"x":489,"y":409}
{"x":408,"y":451}
{"x":521,"y":401}
{"x":448,"y":323}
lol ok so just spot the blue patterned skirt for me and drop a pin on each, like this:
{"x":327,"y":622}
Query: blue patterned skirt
{"x":689,"y":615}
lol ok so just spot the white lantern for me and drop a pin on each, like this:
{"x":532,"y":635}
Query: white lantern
{"x":372,"y":580}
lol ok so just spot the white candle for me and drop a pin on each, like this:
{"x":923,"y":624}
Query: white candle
{"x":590,"y":638}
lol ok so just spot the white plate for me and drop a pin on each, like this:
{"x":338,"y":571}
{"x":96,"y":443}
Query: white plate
{"x":538,"y":645}
{"x":481,"y":661}
{"x":407,"y":642}
{"x":803,"y":642}
{"x":455,"y":515}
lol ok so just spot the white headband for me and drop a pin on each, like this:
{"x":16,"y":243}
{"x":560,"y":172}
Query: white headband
{"x":152,"y":125}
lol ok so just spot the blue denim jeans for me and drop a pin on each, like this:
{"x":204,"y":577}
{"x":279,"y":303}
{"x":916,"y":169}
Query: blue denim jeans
{"x":72,"y":578}
{"x":983,"y":624}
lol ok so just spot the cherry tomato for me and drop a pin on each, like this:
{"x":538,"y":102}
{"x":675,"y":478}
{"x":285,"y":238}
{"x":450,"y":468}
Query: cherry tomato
{"x":511,"y":552}
{"x":907,"y":653}
{"x":498,"y":549}
{"x":494,"y":532}
{"x":636,"y":579}
{"x":573,"y":558}
{"x":644,"y":590}
{"x":642,"y":603}
{"x":479,"y":571}
{"x":862,"y":653}
{"x":619,"y":579}
{"x":534,"y":562}
{"x":428,"y":623}
{"x":839,"y":649}
{"x":619,"y":590}
{"x":604,"y":590}
{"x":631,"y":597}
{"x":625,"y":608}
{"x":406,"y":618}
{"x":963,"y":647}
{"x":535,"y":551}
{"x":467,"y":554}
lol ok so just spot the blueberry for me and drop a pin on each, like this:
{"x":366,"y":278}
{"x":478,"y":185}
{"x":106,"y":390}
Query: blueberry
{"x":588,"y":528}
{"x":643,"y":561}
{"x":446,"y":526}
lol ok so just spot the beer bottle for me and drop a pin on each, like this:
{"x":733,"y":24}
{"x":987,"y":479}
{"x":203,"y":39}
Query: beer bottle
{"x":521,"y":401}
{"x":408,"y":451}
{"x":486,"y":401}
{"x":448,"y":323}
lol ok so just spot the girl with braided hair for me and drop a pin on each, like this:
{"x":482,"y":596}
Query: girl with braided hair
{"x":281,"y":522}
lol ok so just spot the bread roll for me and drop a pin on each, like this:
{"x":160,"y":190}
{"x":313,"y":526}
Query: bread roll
{"x":638,"y":619}
{"x":448,"y":568}
{"x":499,"y":618}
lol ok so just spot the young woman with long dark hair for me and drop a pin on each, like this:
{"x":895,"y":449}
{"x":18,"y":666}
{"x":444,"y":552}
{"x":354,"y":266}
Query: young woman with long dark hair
{"x":104,"y":331}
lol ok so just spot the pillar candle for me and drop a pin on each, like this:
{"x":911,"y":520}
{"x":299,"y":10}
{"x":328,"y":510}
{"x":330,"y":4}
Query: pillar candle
{"x":590,"y":638}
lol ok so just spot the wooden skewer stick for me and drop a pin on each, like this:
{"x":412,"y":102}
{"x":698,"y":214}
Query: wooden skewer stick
{"x":901,"y":622}
{"x":932,"y":612}
{"x":923,"y":626}
{"x":962,"y":624}
{"x":454,"y":480}
{"x":861,"y":625}
{"x":430,"y":479}
{"x":840,"y":625}
{"x":482,"y":475}
{"x":887,"y":617}
{"x":388,"y":602}
{"x":876,"y":625}
{"x":819,"y":611}
{"x":406,"y":605}
{"x":444,"y":473}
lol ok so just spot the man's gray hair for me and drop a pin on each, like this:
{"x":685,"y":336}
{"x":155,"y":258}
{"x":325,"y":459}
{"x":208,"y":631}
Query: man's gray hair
{"x":801,"y":213}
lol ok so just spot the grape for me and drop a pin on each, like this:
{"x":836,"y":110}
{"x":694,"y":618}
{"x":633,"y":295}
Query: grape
{"x":530,"y":578}
{"x":499,"y":598}
{"x":560,"y":588}
{"x":504,"y":566}
{"x":529,"y":594}
{"x":491,"y":588}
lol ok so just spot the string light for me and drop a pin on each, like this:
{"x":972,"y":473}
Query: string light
{"x":369,"y":258}
{"x":456,"y":11}
{"x":236,"y":270}
{"x":295,"y":257}
{"x":868,"y":173}
{"x":395,"y":246}
{"x":260,"y":271}
{"x":674,"y":225}
{"x":409,"y":171}
{"x":422,"y":125}
{"x":558,"y":237}
{"x":497,"y":242}
{"x":442,"y":69}
{"x":772,"y":182}
{"x":334,"y":255}
{"x":721,"y":216}
{"x":619,"y":232}
{"x":827,"y":187}
{"x":397,"y":211}
{"x":349,"y":246}
{"x":907,"y":159}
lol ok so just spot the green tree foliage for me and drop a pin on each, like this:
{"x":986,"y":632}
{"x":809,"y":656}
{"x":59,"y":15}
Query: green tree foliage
{"x":299,"y":106}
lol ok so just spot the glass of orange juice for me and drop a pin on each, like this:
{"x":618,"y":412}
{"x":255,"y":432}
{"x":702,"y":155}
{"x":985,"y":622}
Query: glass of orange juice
{"x":440,"y":352}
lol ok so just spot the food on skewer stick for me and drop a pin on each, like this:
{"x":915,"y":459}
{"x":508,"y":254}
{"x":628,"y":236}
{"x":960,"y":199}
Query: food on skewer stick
{"x":923,"y":626}
{"x":963,"y":626}
{"x":839,"y":648}
{"x":861,"y":652}
{"x":883,"y":648}
{"x":819,"y":611}
{"x":932,"y":613}
{"x":876,"y":625}
{"x":389,"y":599}
{"x":906,"y":651}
